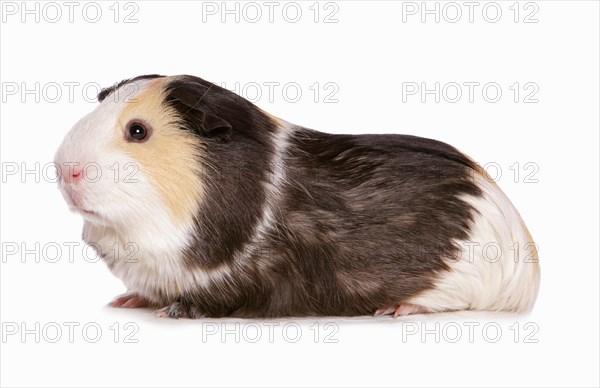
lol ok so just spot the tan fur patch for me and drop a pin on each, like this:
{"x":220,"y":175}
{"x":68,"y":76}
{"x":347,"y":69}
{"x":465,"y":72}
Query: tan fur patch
{"x":481,"y":171}
{"x":275,"y":120}
{"x":531,"y":248}
{"x":169,"y":158}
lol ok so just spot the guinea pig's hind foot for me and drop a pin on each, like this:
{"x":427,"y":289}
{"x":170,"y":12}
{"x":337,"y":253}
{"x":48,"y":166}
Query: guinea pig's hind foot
{"x":130,"y":300}
{"x":178,"y":310}
{"x":401,"y":310}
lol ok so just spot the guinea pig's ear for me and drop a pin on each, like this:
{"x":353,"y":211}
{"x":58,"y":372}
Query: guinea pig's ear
{"x":215,"y":126}
{"x":187,"y":99}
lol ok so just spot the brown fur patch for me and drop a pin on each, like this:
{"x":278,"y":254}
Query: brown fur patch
{"x":169,"y":158}
{"x":359,"y":283}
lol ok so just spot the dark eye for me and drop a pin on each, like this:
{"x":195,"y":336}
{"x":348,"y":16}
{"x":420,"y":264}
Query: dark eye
{"x":137,"y":132}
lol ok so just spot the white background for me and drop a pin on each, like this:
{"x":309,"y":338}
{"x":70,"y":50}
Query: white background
{"x":368,"y":54}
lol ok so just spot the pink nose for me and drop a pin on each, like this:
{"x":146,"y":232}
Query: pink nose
{"x":76,"y":175}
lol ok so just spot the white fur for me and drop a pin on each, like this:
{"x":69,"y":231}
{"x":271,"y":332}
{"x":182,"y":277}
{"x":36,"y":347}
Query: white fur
{"x":482,"y":280}
{"x":125,"y":213}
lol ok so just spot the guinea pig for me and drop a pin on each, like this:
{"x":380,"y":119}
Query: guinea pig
{"x":205,"y":205}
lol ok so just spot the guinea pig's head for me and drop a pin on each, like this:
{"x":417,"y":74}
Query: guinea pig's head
{"x":138,"y":157}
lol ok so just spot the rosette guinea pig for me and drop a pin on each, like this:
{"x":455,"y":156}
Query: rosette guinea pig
{"x":223,"y":210}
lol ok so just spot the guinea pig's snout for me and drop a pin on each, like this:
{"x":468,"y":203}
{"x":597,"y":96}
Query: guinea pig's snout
{"x":70,"y":174}
{"x":76,"y":176}
{"x":70,"y":178}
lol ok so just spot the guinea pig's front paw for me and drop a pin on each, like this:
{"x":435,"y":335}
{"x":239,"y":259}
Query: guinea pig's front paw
{"x":179,"y":310}
{"x":130,"y":300}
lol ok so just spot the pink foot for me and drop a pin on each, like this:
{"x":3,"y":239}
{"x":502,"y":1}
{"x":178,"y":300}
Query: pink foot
{"x":130,"y":300}
{"x":401,"y":310}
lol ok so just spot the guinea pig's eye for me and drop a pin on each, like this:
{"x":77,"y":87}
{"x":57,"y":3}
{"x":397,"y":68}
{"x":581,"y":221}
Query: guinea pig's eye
{"x":137,"y":132}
